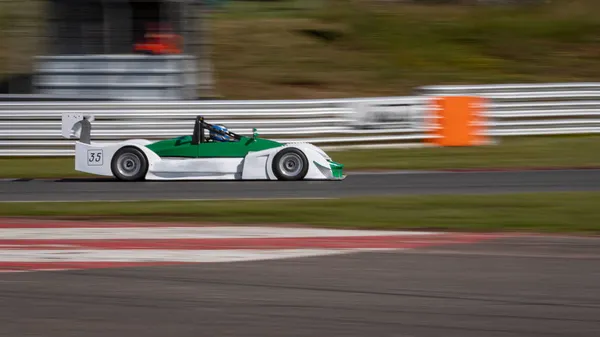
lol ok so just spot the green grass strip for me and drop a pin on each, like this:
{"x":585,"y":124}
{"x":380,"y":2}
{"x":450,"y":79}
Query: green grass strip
{"x":539,"y":212}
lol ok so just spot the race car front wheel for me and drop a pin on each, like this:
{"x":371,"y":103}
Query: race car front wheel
{"x":129,"y":164}
{"x":290,"y":164}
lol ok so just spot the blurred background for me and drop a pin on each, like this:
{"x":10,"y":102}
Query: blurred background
{"x":297,"y":49}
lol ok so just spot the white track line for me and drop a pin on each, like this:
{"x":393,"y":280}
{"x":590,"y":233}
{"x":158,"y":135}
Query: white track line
{"x":165,"y":255}
{"x":187,"y":233}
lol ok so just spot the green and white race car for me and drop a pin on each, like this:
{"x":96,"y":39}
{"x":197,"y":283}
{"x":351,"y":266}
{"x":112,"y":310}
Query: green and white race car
{"x":222,"y":155}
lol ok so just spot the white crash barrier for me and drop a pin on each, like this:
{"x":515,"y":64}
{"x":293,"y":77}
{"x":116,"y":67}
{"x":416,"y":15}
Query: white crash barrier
{"x":33,"y":128}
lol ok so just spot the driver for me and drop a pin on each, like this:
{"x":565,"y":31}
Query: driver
{"x":219,"y":137}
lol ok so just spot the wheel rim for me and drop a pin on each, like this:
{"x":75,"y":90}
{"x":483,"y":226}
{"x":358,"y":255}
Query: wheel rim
{"x":129,"y":165}
{"x":290,"y":164}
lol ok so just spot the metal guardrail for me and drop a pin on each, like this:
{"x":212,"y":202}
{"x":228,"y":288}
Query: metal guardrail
{"x":33,"y":128}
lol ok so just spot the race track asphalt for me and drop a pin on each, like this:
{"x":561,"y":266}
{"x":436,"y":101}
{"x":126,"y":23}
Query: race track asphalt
{"x":509,"y":287}
{"x":356,"y":184}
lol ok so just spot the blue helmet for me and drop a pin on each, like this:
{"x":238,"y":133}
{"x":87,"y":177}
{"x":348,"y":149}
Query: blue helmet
{"x":219,"y":137}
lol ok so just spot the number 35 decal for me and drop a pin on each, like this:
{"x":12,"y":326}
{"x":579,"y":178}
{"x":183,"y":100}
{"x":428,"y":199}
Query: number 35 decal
{"x":95,"y":158}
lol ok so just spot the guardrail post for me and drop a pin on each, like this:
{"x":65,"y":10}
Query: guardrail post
{"x":458,"y":121}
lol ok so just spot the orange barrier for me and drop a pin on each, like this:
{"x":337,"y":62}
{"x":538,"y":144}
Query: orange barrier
{"x":160,"y":44}
{"x":457,"y":121}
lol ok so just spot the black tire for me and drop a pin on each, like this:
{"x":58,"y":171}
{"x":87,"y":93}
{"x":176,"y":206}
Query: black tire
{"x":129,"y":164}
{"x":290,"y":164}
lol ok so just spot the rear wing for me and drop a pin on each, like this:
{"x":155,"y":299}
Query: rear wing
{"x":77,"y":125}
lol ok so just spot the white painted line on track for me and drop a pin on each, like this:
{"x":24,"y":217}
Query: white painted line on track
{"x":165,"y":255}
{"x":106,"y":233}
{"x":123,"y":245}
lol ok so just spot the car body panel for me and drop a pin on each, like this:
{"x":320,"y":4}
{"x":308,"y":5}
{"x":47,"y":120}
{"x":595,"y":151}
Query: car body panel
{"x":183,"y":147}
{"x":175,"y":147}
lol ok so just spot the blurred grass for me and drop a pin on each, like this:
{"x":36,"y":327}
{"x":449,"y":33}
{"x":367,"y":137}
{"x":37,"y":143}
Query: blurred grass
{"x":22,"y":27}
{"x":528,"y":152}
{"x":520,"y":152}
{"x":538,"y":212}
{"x":342,"y":48}
{"x":345,"y":48}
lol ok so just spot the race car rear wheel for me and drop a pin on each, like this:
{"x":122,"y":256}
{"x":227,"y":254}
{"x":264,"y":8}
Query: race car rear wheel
{"x":290,"y":164}
{"x":129,"y":164}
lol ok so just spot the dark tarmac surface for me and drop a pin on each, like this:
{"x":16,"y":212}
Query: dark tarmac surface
{"x":353,"y":185}
{"x":524,"y":286}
